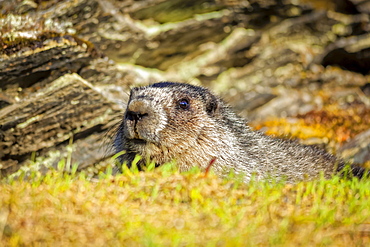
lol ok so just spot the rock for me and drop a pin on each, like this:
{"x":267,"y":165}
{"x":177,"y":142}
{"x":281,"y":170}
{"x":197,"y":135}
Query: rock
{"x":247,"y":103}
{"x":357,"y":150}
{"x":5,"y":100}
{"x":30,"y":53}
{"x":69,"y":107}
{"x":351,"y":53}
{"x":288,"y":103}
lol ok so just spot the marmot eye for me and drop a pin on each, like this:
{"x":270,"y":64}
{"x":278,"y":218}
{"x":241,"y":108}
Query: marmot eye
{"x":184,"y":104}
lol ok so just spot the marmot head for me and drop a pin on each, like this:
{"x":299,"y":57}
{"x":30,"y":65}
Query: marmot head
{"x":165,"y":119}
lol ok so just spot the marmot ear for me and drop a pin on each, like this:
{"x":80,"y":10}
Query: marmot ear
{"x":212,"y":105}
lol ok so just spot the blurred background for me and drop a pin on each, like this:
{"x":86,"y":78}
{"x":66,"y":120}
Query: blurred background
{"x":293,"y":68}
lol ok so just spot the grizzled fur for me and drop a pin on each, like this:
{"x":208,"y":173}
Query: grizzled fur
{"x":179,"y":122}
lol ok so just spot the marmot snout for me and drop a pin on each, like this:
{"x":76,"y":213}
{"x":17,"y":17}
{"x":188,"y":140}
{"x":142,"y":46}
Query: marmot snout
{"x":141,"y":121}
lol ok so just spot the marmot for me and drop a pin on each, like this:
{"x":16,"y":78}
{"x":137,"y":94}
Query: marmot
{"x":179,"y":122}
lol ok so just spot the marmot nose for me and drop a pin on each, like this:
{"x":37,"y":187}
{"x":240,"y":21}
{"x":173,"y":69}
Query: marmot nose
{"x":135,"y":116}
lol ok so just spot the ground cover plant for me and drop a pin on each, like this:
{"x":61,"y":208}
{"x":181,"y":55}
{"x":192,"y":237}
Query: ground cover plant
{"x":162,"y":207}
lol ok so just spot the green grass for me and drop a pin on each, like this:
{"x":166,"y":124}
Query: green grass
{"x":164,"y":208}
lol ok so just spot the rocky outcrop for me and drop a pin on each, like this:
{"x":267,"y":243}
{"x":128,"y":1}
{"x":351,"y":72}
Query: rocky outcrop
{"x":66,"y":66}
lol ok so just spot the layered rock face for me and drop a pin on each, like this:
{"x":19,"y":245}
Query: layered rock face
{"x":66,"y":68}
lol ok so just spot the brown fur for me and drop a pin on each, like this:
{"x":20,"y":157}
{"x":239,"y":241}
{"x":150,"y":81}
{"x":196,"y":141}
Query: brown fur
{"x":179,"y":122}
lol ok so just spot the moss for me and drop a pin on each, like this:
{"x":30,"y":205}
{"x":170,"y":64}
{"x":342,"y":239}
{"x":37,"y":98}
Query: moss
{"x":341,"y":123}
{"x":332,"y":122}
